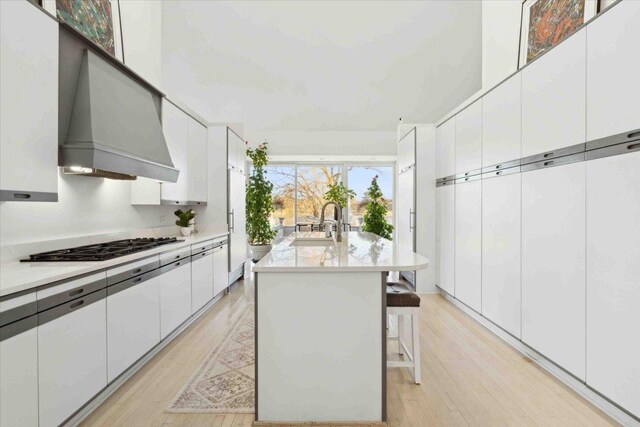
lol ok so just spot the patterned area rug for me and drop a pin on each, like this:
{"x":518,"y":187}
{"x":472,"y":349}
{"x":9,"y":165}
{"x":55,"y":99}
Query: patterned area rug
{"x":224,"y":382}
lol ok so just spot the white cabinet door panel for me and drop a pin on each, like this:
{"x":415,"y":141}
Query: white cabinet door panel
{"x":29,"y":99}
{"x":19,"y":380}
{"x":405,"y":217}
{"x":201,"y":280}
{"x":445,"y":237}
{"x":407,"y":150}
{"x":72,"y":361}
{"x":501,"y":245}
{"x":175,"y":298}
{"x":220,"y":269}
{"x":469,"y":138}
{"x":468,"y":244}
{"x":613,"y":63}
{"x":553,"y":98}
{"x":237,"y":219}
{"x":501,"y":122}
{"x":175,"y":125}
{"x":613,"y":279}
{"x":553,"y":264}
{"x":133,"y":325}
{"x":197,"y":161}
{"x":446,"y":148}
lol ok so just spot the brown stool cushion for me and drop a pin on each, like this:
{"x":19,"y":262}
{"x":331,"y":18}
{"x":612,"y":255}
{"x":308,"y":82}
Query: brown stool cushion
{"x":400,"y":295}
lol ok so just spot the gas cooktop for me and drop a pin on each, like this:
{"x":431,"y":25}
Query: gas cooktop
{"x":101,"y":251}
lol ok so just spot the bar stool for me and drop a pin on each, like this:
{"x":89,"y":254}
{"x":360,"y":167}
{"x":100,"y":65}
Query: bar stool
{"x":402,"y":301}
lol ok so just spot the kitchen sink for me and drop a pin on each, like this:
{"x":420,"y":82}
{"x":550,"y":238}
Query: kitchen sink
{"x":313,"y":241}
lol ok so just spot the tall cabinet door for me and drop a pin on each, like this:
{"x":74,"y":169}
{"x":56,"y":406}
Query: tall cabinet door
{"x":468,"y":244}
{"x":407,"y":150}
{"x":501,"y":244}
{"x":445,"y":237}
{"x":501,"y":123}
{"x":175,"y":126}
{"x":613,"y":87}
{"x":613,"y":279}
{"x":237,"y":220}
{"x":469,"y":138}
{"x":446,"y":148}
{"x":197,"y":186}
{"x":553,"y":98}
{"x":553,"y":264}
{"x":406,"y":209}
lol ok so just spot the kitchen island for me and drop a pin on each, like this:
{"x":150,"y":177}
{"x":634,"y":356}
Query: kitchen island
{"x":321,"y":327}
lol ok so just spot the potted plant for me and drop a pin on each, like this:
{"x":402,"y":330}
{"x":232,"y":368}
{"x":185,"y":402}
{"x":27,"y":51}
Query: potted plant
{"x":259,"y":204}
{"x":376,"y":211}
{"x":339,"y":193}
{"x":184,"y":220}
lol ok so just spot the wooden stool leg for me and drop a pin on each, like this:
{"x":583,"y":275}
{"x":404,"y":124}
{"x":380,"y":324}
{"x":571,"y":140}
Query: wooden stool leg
{"x":400,"y":333}
{"x":415,"y":325}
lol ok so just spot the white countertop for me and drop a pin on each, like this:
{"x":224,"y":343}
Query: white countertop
{"x":21,"y":276}
{"x":358,"y":251}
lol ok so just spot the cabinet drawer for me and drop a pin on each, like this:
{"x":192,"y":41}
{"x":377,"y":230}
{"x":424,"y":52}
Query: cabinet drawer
{"x":67,"y":291}
{"x":169,"y":257}
{"x":127,"y":271}
{"x":201,"y":247}
{"x":17,"y":308}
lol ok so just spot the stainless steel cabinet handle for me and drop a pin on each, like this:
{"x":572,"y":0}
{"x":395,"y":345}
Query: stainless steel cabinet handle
{"x":76,"y":305}
{"x":498,"y":166}
{"x":21,"y":196}
{"x":547,"y":155}
{"x":232,"y":226}
{"x":411,"y":215}
{"x":633,"y":146}
{"x":76,"y":292}
{"x":549,"y":163}
{"x":633,"y":134}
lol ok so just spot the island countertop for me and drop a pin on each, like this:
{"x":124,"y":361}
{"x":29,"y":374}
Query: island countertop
{"x":358,"y":251}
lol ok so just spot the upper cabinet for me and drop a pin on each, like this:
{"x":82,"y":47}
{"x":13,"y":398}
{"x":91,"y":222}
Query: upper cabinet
{"x":553,"y":98}
{"x":501,"y":123}
{"x":446,"y":148}
{"x":236,"y":151}
{"x":469,"y":138}
{"x":613,"y":64}
{"x":187,"y":142}
{"x":407,"y":150}
{"x":28,"y":103}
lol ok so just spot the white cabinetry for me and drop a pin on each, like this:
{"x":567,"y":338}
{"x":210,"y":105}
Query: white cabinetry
{"x":236,"y":151}
{"x":613,"y":87}
{"x":237,"y":219}
{"x":501,"y":244}
{"x":468,"y":243}
{"x":446,"y":148}
{"x":501,"y":123}
{"x":469,"y":138}
{"x":406,"y":209}
{"x":197,"y":164}
{"x":72,"y":357}
{"x":175,"y":296}
{"x":201,"y":279}
{"x":175,"y":125}
{"x":445,"y":237}
{"x":613,"y":279}
{"x":133,"y":323}
{"x":19,"y":375}
{"x":553,"y":264}
{"x":28,"y":103}
{"x":220,"y":269}
{"x":407,"y":150}
{"x":553,"y":98}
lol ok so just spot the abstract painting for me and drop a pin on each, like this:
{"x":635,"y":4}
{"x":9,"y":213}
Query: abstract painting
{"x":545,"y":23}
{"x":93,"y":18}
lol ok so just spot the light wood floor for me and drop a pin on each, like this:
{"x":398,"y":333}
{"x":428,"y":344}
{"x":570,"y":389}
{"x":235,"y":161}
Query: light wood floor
{"x":469,"y":378}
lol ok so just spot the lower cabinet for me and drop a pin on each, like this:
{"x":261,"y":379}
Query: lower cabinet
{"x":201,"y":279}
{"x":175,"y":296}
{"x":553,"y":264}
{"x":19,"y":374}
{"x":445,"y":237}
{"x":72,"y":356}
{"x":501,"y":244}
{"x":133,"y":324}
{"x":220,"y":267}
{"x":468,"y":243}
{"x":613,"y":279}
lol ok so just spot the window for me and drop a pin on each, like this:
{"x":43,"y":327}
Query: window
{"x":358,"y":179}
{"x":283,"y":178}
{"x":313,"y":183}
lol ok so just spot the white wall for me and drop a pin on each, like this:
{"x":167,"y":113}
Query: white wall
{"x":142,"y":35}
{"x":85,"y":206}
{"x":326,"y":143}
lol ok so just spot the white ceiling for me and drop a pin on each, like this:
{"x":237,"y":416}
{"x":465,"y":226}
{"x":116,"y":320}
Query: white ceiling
{"x":306,"y":65}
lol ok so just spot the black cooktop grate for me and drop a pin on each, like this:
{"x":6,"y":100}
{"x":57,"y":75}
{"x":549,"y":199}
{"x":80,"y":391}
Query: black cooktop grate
{"x":101,"y":251}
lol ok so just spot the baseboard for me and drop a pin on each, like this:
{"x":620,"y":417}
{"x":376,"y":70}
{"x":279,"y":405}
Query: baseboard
{"x":101,"y":397}
{"x":589,"y":394}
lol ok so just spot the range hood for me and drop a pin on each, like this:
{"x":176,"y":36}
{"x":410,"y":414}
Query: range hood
{"x":109,"y":121}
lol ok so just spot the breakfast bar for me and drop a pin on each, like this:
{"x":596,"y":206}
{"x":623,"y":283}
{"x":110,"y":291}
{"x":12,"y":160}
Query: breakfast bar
{"x":321,"y":327}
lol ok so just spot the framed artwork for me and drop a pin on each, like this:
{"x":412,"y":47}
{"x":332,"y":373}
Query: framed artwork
{"x":545,"y":23}
{"x":98,"y":20}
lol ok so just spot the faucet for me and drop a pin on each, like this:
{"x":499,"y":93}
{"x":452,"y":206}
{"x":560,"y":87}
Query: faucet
{"x":338,"y":223}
